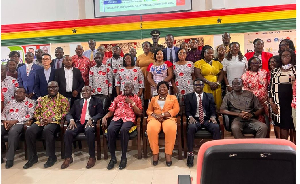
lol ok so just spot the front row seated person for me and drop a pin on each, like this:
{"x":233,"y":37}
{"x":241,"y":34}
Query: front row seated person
{"x":200,"y":109}
{"x":49,"y":112}
{"x":15,"y":113}
{"x":124,"y":108}
{"x":161,"y":115}
{"x":82,"y":118}
{"x":244,"y":106}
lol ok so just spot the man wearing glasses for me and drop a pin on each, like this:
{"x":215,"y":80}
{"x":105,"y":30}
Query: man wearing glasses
{"x":200,"y":109}
{"x":48,"y":114}
{"x":15,"y":113}
{"x":44,"y":76}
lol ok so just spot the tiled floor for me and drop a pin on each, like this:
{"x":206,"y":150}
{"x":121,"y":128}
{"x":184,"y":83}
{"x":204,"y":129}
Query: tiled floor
{"x":136,"y":172}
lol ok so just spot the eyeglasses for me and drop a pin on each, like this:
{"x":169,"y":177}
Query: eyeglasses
{"x":52,"y":87}
{"x":286,"y":56}
{"x":198,"y":84}
{"x":45,"y":59}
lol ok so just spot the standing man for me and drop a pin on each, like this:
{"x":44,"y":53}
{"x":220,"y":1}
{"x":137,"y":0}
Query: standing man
{"x":226,"y":41}
{"x":171,"y":52}
{"x":133,"y":54}
{"x":57,"y":63}
{"x":259,"y":52}
{"x":44,"y":76}
{"x":82,"y":63}
{"x":194,"y":54}
{"x":51,"y":109}
{"x":124,"y":108}
{"x":38,"y":55}
{"x":155,"y":38}
{"x":8,"y":85}
{"x":91,"y":53}
{"x":17,"y":112}
{"x":244,"y":108}
{"x":82,"y":118}
{"x":102,"y":48}
{"x":69,"y":80}
{"x":27,"y":75}
{"x":101,"y":78}
{"x":200,"y":109}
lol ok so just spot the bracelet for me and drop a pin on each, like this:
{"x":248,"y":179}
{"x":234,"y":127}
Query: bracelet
{"x":133,"y":104}
{"x":228,"y":85}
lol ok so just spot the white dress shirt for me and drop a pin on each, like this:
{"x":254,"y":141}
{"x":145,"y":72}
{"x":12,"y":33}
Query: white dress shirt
{"x":28,"y":68}
{"x":47,"y":73}
{"x":87,"y":115}
{"x":173,"y":53}
{"x":69,"y":79}
{"x":198,"y":98}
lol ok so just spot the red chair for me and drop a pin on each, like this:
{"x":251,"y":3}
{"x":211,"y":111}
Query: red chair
{"x":236,"y":161}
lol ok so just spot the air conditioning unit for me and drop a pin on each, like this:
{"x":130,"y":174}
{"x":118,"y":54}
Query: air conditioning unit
{"x":217,"y":4}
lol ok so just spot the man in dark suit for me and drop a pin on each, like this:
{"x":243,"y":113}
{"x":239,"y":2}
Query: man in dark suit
{"x":69,"y":80}
{"x":26,"y":75}
{"x":57,"y":63}
{"x":199,"y":116}
{"x":43,"y":77}
{"x":82,"y":118}
{"x":171,"y":52}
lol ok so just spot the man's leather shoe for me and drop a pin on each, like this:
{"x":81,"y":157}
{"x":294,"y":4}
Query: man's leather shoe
{"x":123,"y":163}
{"x":90,"y":163}
{"x":9,"y":164}
{"x":50,"y":162}
{"x":66,"y":163}
{"x":111,"y":164}
{"x":30,"y":162}
{"x":190,"y":161}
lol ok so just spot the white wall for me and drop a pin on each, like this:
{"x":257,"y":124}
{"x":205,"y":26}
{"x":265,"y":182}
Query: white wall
{"x":22,"y":11}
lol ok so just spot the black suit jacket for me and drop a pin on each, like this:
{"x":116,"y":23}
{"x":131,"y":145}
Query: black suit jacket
{"x":95,"y":109}
{"x":176,"y":53}
{"x":40,"y":83}
{"x":208,"y":104}
{"x":53,"y":63}
{"x":78,"y":82}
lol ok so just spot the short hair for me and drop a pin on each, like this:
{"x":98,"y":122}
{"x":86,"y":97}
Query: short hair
{"x":10,"y":61}
{"x":145,"y":43}
{"x":198,"y":79}
{"x":256,"y":40}
{"x":155,"y":53}
{"x":117,"y":46}
{"x":20,"y":87}
{"x":193,"y":39}
{"x":101,"y":53}
{"x":237,"y":79}
{"x":170,"y":35}
{"x":132,"y":60}
{"x":226,"y":33}
{"x":250,"y":60}
{"x":205,"y":47}
{"x":46,"y":54}
{"x":92,"y":40}
{"x":277,"y":60}
{"x":13,"y":53}
{"x":59,"y":48}
{"x":53,"y":82}
{"x":163,"y":82}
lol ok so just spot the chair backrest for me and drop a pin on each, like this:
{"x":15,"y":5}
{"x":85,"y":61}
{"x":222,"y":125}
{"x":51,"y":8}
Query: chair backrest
{"x":236,"y":161}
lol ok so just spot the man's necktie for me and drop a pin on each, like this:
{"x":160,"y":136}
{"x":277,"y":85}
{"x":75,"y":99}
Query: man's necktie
{"x":57,"y":64}
{"x":171,"y":56}
{"x":82,"y":118}
{"x":201,"y":118}
{"x":92,"y":56}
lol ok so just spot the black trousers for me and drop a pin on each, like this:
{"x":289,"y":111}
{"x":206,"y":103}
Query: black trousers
{"x":13,"y":139}
{"x":48,"y":132}
{"x":193,"y":128}
{"x":71,"y":134}
{"x":113,"y":131}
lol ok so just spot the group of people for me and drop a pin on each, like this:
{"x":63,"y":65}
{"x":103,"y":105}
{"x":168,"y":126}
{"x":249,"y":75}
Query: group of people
{"x":157,"y":82}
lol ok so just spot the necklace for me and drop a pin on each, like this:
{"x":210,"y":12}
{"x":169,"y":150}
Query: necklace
{"x":162,"y":98}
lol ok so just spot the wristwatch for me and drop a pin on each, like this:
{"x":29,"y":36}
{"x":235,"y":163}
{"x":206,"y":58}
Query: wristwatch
{"x":133,"y":104}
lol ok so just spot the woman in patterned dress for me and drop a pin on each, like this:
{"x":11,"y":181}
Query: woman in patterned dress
{"x":256,"y":81}
{"x":129,"y":73}
{"x":159,"y":71}
{"x":281,"y":92}
{"x":184,"y":75}
{"x":211,"y":73}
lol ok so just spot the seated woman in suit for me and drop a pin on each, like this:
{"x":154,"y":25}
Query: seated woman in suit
{"x":161,"y":115}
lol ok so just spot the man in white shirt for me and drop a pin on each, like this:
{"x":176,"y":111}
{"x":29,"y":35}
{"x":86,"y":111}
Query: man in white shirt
{"x":91,"y":53}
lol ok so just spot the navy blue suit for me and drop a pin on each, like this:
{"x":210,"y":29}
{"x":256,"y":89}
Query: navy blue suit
{"x":41,"y":85}
{"x":209,"y":108}
{"x":25,"y":81}
{"x":176,"y":54}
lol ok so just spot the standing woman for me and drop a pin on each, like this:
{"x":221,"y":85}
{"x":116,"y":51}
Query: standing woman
{"x":184,"y":75}
{"x":143,"y":61}
{"x":129,"y":73}
{"x":286,"y":44}
{"x":220,"y":53}
{"x":256,"y":80}
{"x":160,"y":70}
{"x":234,"y":65}
{"x":211,"y":73}
{"x":281,"y":92}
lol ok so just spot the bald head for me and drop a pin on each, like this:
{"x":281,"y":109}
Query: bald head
{"x":128,"y":88}
{"x":79,"y":50}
